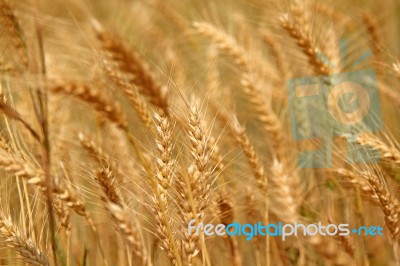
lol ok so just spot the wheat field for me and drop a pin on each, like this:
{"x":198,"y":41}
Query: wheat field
{"x":125,"y":122}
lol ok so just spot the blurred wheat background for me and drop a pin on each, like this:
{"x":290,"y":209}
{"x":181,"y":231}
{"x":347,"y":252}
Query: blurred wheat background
{"x":124,"y":120}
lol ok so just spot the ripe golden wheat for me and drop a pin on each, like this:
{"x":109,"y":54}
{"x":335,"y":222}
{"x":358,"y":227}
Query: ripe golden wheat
{"x":123,"y":121}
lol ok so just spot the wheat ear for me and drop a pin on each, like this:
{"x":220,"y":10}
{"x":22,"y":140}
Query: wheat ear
{"x":133,"y":96}
{"x":35,"y":177}
{"x":11,"y":24}
{"x":160,"y":186}
{"x":11,"y":113}
{"x":99,"y":101}
{"x":201,"y":156}
{"x":359,"y":182}
{"x":396,"y":68}
{"x":128,"y":62}
{"x":193,"y":188}
{"x":329,"y":250}
{"x":278,"y":53}
{"x":270,"y":121}
{"x":390,"y":153}
{"x":106,"y":180}
{"x":255,"y":164}
{"x":378,"y":194}
{"x":225,"y":43}
{"x":306,"y":43}
{"x":375,"y":37}
{"x":129,"y":231}
{"x":389,"y":205}
{"x":284,"y":193}
{"x":102,"y":157}
{"x":13,"y":238}
{"x":116,"y":207}
{"x":265,"y":114}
